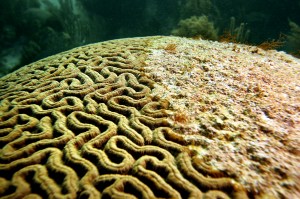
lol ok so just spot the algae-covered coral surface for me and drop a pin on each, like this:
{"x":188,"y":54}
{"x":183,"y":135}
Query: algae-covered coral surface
{"x":135,"y":118}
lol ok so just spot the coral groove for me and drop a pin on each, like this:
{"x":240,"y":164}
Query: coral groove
{"x":83,"y":124}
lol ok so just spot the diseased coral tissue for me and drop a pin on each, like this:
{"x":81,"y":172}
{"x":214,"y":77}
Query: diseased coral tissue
{"x":153,"y":117}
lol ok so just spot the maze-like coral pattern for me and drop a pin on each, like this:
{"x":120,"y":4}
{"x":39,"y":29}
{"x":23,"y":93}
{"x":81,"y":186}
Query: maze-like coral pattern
{"x":82,"y":124}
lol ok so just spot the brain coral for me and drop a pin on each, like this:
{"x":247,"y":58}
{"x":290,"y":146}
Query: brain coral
{"x":153,"y":117}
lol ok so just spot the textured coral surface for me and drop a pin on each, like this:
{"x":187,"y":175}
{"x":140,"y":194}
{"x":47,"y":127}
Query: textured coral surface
{"x":151,"y":118}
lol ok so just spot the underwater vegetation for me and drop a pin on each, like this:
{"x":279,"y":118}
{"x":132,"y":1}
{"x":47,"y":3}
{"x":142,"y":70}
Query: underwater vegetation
{"x":36,"y":29}
{"x":235,"y":34}
{"x":196,"y":27}
{"x":293,"y":38}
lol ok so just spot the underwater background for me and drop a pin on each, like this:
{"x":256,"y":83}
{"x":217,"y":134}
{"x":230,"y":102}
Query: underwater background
{"x":34,"y":29}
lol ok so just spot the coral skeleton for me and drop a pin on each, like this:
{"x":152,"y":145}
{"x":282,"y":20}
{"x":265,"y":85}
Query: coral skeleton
{"x":152,"y":117}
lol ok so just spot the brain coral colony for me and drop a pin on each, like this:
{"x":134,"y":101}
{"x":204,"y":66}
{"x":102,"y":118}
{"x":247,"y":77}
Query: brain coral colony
{"x":152,"y":117}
